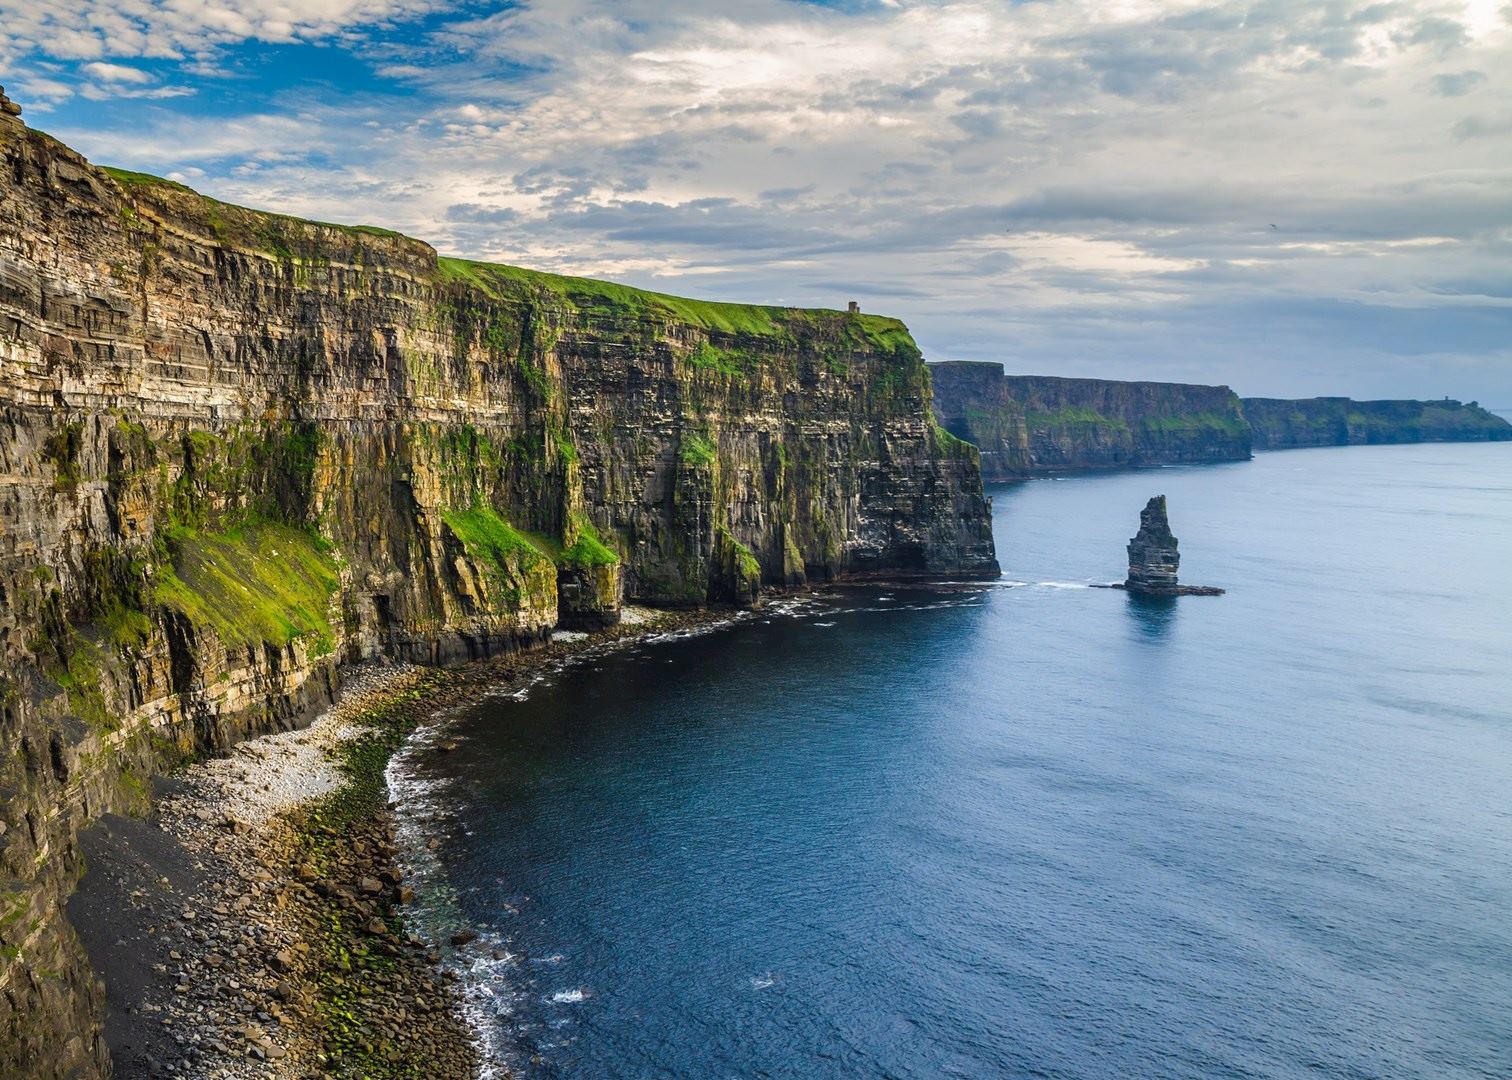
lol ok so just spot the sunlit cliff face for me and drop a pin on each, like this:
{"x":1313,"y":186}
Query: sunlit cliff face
{"x":1290,"y":197}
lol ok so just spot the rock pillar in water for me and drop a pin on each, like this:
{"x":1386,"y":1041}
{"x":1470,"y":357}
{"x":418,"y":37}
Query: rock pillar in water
{"x":1153,"y":558}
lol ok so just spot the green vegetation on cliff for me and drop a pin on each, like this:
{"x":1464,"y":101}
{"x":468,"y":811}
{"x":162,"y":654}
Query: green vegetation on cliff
{"x":594,"y":297}
{"x":1281,"y":423}
{"x":1073,"y":414}
{"x":589,"y":548}
{"x":487,"y":537}
{"x":231,"y":222}
{"x":299,"y":239}
{"x":1188,"y":423}
{"x":259,"y":582}
{"x":697,"y":451}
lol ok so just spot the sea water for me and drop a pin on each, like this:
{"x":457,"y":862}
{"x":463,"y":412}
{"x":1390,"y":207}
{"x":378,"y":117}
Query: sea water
{"x":1029,"y":828}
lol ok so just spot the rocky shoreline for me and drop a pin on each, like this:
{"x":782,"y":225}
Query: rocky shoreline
{"x":253,"y":926}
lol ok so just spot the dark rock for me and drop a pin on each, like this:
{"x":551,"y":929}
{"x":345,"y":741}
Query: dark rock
{"x":1154,"y":559}
{"x":463,"y":937}
{"x":1030,"y":425}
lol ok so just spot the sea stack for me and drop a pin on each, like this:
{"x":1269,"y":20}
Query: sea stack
{"x":1154,"y":559}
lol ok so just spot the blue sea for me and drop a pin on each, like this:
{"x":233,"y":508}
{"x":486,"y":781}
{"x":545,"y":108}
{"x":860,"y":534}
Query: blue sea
{"x":1032,"y":828}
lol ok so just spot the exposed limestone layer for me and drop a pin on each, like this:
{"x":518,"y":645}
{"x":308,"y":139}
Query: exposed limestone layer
{"x":1030,"y":424}
{"x":239,"y":449}
{"x":1281,"y":424}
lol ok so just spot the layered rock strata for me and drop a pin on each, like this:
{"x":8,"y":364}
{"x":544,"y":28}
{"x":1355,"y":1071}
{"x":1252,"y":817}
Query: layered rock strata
{"x":241,"y":449}
{"x":1027,"y":425}
{"x":1154,"y":558}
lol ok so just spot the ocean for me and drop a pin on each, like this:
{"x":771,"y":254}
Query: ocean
{"x":1028,"y":829}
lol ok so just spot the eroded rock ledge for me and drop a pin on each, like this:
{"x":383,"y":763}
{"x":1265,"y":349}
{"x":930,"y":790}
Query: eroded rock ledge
{"x":240,"y":450}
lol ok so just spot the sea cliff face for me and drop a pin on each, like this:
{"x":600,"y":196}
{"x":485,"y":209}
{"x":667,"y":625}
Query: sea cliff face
{"x":1281,"y":424}
{"x":240,"y":450}
{"x":1029,"y":424}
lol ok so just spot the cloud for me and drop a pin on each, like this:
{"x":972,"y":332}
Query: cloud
{"x":1480,"y":127}
{"x":117,"y":73}
{"x":89,"y":29}
{"x":1164,"y":183}
{"x":1457,"y":83}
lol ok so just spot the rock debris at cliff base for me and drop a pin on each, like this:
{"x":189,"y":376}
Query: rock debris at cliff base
{"x":254,"y":925}
{"x":215,"y":933}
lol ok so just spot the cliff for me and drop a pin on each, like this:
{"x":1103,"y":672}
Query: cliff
{"x":240,"y":450}
{"x":1281,"y":424}
{"x":1029,"y":424}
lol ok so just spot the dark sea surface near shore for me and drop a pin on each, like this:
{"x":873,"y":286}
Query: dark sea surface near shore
{"x":1032,"y":829}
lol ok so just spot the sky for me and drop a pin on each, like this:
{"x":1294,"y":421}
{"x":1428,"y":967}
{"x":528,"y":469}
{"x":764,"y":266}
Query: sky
{"x":1292,"y":197}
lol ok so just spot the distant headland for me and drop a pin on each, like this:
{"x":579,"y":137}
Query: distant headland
{"x":1029,"y":425}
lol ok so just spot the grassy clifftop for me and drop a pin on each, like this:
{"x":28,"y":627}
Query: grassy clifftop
{"x":302,"y":240}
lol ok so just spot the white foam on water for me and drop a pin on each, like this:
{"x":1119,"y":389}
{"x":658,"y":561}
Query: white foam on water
{"x":423,"y":809}
{"x":493,"y":977}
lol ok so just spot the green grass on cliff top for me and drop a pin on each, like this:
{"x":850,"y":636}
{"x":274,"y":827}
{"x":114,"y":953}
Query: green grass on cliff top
{"x":503,"y":282}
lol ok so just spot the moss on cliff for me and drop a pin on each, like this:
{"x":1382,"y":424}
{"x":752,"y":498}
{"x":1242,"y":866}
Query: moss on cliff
{"x":697,"y":451}
{"x":1188,"y":423}
{"x":487,"y":537}
{"x":260,"y":582}
{"x":1073,"y":414}
{"x":588,"y":548}
{"x":591,"y":296}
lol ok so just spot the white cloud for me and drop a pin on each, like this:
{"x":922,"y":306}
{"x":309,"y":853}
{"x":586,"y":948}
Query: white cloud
{"x":118,"y":73}
{"x":87,"y":29}
{"x":1017,"y":179}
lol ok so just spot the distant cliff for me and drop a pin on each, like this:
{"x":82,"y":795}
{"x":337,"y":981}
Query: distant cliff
{"x":1029,"y":424}
{"x":240,"y":450}
{"x":1281,"y":424}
